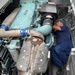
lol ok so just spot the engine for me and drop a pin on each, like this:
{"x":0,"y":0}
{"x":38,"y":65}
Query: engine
{"x":26,"y":37}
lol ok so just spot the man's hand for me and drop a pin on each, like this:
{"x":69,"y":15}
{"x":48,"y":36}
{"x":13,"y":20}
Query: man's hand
{"x":55,"y":27}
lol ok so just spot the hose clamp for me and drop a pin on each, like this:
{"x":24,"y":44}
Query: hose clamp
{"x":23,"y":32}
{"x":5,"y":27}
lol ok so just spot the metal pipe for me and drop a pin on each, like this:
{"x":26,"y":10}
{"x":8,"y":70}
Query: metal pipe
{"x":11,"y":33}
{"x":45,"y":29}
{"x":23,"y":32}
{"x":8,"y":21}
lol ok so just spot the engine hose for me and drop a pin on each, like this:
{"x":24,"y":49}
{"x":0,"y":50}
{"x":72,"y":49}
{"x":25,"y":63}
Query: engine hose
{"x":22,"y":32}
{"x":8,"y":20}
{"x":45,"y":29}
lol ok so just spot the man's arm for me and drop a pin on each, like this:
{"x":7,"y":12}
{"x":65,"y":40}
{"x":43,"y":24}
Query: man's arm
{"x":55,"y":27}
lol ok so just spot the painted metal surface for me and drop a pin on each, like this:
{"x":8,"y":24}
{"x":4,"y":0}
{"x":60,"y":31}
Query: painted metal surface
{"x":12,"y":48}
{"x":45,"y":30}
{"x":12,"y":45}
{"x":25,"y":1}
{"x":25,"y":16}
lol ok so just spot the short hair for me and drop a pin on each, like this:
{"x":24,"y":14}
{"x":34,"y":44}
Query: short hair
{"x":61,"y":20}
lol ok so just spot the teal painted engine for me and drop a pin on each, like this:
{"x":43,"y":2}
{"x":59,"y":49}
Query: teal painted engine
{"x":26,"y":38}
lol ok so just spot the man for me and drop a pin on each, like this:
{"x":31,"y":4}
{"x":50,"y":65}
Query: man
{"x":61,"y":51}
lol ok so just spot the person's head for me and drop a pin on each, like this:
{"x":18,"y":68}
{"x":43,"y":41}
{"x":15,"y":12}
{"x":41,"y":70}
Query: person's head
{"x":60,"y":22}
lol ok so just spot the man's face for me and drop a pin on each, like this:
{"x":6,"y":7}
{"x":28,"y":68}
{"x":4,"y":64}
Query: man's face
{"x":59,"y":23}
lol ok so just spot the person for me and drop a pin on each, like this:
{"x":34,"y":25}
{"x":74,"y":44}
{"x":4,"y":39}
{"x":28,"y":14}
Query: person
{"x":60,"y":52}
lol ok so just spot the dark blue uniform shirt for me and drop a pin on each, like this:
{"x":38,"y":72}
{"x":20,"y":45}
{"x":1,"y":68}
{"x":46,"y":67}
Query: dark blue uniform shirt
{"x":63,"y":36}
